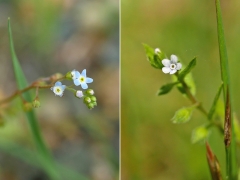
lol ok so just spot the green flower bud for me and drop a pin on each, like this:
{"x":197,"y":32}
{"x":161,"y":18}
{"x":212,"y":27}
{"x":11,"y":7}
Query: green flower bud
{"x":87,"y":100}
{"x":36,"y":103}
{"x":90,"y":105}
{"x":69,"y":75}
{"x":89,"y":92}
{"x":93,"y":98}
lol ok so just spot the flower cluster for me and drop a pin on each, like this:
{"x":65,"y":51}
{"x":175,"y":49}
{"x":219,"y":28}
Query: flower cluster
{"x":78,"y":79}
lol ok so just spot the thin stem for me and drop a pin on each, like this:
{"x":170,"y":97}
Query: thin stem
{"x":32,"y":86}
{"x":194,"y":100}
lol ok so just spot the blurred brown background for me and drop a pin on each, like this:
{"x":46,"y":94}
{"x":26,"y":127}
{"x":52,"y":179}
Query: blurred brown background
{"x":57,"y":36}
{"x":152,"y":147}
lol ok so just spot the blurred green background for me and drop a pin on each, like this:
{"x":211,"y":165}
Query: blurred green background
{"x":57,"y":36}
{"x":151,"y":146}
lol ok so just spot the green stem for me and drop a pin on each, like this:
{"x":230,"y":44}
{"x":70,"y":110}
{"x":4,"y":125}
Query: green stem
{"x":231,"y":158}
{"x":194,"y":100}
{"x":32,"y":86}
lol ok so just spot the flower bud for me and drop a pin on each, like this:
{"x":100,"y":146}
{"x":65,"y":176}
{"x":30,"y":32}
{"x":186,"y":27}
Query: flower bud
{"x":93,"y":98}
{"x":79,"y":94}
{"x":157,"y":50}
{"x":89,"y":92}
{"x":69,"y":75}
{"x":36,"y":103}
{"x":87,"y":100}
{"x":90,"y":105}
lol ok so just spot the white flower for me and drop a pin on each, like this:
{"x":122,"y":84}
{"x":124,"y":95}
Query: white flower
{"x":58,"y":88}
{"x":79,"y":94}
{"x":157,"y":50}
{"x":171,"y":66}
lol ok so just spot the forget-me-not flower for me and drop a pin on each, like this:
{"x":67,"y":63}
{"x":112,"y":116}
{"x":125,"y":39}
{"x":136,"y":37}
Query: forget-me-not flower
{"x":58,"y":88}
{"x":81,"y":79}
{"x":171,"y":66}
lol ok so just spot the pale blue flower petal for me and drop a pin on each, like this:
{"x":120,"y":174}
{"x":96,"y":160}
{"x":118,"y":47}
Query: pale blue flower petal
{"x":89,"y":80}
{"x":58,"y":83}
{"x":76,"y":82}
{"x":84,"y":85}
{"x":77,"y":74}
{"x":84,"y":73}
{"x":63,"y":87}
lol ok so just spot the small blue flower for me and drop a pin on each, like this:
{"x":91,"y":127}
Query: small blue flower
{"x":81,"y":79}
{"x":58,"y":89}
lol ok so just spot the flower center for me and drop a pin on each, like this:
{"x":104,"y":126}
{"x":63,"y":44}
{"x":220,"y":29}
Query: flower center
{"x":173,"y":66}
{"x":58,"y":90}
{"x":82,"y":79}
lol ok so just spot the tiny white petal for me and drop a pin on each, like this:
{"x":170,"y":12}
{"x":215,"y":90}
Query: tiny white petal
{"x":166,"y":62}
{"x":166,"y":70}
{"x":174,"y":58}
{"x":157,"y":50}
{"x":179,"y":66}
{"x":173,"y":71}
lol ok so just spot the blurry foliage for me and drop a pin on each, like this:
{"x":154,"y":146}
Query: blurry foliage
{"x":151,"y":146}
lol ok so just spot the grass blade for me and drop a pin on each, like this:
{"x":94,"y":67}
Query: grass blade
{"x":32,"y":120}
{"x":231,"y":158}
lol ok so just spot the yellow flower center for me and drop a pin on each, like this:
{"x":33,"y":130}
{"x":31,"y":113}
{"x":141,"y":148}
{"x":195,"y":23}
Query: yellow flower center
{"x":81,"y":79}
{"x":58,"y":90}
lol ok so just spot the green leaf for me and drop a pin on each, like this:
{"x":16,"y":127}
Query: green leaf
{"x":188,"y":69}
{"x":214,"y":104}
{"x":184,"y":114}
{"x":154,"y":59}
{"x":166,"y":88}
{"x":200,"y":133}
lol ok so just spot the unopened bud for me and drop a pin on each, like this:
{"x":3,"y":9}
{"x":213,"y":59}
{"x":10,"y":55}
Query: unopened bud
{"x":93,"y":98}
{"x":90,"y":92}
{"x":36,"y":103}
{"x":157,"y":50}
{"x":79,"y":94}
{"x":87,"y":100}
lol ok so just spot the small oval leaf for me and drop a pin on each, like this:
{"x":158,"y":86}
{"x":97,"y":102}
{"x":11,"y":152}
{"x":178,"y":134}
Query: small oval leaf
{"x":200,"y":133}
{"x":154,"y":59}
{"x":182,"y":115}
